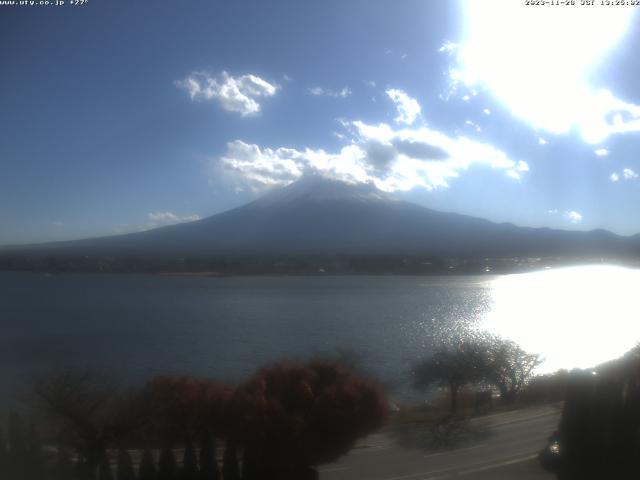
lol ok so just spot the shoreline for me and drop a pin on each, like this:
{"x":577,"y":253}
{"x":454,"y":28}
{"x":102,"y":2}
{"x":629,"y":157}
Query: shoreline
{"x":190,"y":274}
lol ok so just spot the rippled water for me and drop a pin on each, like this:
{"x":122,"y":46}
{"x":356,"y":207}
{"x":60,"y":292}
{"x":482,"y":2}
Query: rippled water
{"x":574,"y":317}
{"x":138,"y":325}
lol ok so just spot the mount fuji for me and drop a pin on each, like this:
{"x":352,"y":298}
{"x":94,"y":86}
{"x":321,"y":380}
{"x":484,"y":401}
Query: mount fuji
{"x":319,"y":216}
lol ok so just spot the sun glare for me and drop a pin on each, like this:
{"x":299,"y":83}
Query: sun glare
{"x":539,"y":65}
{"x":574,"y":317}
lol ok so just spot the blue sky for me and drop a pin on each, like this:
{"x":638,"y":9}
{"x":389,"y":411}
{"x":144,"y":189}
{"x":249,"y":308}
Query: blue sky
{"x":124,"y":115}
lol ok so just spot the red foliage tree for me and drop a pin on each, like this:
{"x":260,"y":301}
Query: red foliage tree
{"x":292,"y":415}
{"x":183,"y":408}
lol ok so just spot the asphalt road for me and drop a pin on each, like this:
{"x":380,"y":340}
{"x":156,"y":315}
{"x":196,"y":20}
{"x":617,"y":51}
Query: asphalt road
{"x":501,"y":446}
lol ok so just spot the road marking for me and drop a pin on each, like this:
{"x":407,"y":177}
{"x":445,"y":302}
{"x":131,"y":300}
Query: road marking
{"x":432,"y":475}
{"x":336,"y":469}
{"x":413,"y":475}
{"x":497,"y":465}
{"x":451,"y":473}
{"x":367,"y":450}
{"x":521,"y":419}
{"x":524,"y":413}
{"x":455,"y":450}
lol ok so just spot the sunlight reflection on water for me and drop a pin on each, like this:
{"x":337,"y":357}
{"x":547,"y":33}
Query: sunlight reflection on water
{"x":574,"y":317}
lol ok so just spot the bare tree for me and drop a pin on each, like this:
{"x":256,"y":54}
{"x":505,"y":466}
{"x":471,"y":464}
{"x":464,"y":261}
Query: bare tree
{"x":452,"y":366}
{"x":87,"y":412}
{"x":508,"y":366}
{"x":478,"y":358}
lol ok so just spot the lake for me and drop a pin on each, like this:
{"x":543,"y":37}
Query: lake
{"x":135,"y":326}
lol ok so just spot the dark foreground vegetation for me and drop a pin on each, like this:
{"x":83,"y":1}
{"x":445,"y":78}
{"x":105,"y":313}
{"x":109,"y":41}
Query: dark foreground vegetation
{"x":279,"y":424}
{"x":599,"y":432}
{"x":289,"y":418}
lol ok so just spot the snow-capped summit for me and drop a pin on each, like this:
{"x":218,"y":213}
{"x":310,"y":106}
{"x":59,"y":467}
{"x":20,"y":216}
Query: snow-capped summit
{"x":318,"y":188}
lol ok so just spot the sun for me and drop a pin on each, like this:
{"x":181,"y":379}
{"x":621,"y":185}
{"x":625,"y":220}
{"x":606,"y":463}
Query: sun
{"x":539,"y":61}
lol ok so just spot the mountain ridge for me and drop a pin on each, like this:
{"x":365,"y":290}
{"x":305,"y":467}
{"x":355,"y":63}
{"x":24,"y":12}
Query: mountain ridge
{"x":319,"y":216}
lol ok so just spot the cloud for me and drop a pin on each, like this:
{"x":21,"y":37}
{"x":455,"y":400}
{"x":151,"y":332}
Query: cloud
{"x":601,"y":152}
{"x":263,"y":167}
{"x":168,"y":217}
{"x":544,"y":80}
{"x":448,"y":47}
{"x":419,"y":150}
{"x":451,"y":155}
{"x":408,"y":108}
{"x":323,"y":92}
{"x":157,"y":219}
{"x":380,"y":155}
{"x":57,"y":224}
{"x":626,"y":174}
{"x":402,"y":56}
{"x":473,"y":125}
{"x":573,"y":216}
{"x":391,"y":158}
{"x":235,"y":94}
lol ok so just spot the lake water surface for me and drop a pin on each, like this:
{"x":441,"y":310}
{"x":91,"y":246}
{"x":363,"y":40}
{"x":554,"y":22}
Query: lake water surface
{"x":135,"y":326}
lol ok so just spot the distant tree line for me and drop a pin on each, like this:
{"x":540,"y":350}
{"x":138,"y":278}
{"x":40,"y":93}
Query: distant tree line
{"x":286,"y":264}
